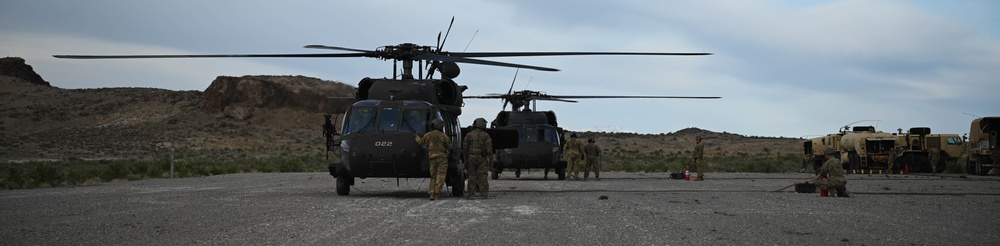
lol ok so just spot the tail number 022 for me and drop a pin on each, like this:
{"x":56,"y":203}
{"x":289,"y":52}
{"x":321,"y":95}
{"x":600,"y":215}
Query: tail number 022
{"x":383,"y":143}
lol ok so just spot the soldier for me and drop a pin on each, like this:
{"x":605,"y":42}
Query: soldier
{"x":835,"y":181}
{"x":996,"y":160}
{"x":896,"y":152}
{"x":697,"y":155}
{"x":934,"y":154}
{"x":438,"y":147}
{"x":478,"y":155}
{"x":573,"y":151}
{"x":593,"y":154}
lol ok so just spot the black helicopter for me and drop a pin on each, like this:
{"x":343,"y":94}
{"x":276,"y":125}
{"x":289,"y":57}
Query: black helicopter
{"x":540,"y":137}
{"x":378,"y":129}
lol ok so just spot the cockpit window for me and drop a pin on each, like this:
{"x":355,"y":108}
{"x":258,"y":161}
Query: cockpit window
{"x":388,"y":120}
{"x":530,"y":134}
{"x":414,"y":120}
{"x":361,"y":119}
{"x":551,"y":135}
{"x":537,"y":134}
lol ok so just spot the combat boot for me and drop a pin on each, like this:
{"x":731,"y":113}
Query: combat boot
{"x":484,"y":195}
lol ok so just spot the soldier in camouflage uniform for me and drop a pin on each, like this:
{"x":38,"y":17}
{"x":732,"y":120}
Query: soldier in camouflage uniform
{"x":438,"y":147}
{"x":835,"y":181}
{"x":697,"y":156}
{"x":934,"y":154}
{"x":478,"y":149}
{"x":573,"y":152}
{"x":593,"y":155}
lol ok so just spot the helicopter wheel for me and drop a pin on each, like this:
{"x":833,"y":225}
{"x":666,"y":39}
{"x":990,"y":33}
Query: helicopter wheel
{"x":457,"y":182}
{"x":344,"y":185}
{"x":497,"y":168}
{"x":561,"y":172}
{"x":517,"y":173}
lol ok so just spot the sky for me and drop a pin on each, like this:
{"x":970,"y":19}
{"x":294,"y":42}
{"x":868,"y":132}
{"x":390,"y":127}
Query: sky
{"x":783,"y":68}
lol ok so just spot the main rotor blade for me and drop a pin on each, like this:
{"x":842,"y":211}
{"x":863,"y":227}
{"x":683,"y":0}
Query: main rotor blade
{"x":488,"y":97}
{"x":206,"y":56}
{"x":510,"y":54}
{"x":318,"y":46}
{"x":549,"y":99}
{"x":436,"y":57}
{"x":586,"y":97}
{"x":445,"y":35}
{"x":511,"y":90}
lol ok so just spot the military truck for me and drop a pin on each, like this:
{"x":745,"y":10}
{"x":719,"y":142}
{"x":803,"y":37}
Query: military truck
{"x":983,"y":145}
{"x":864,"y":150}
{"x":915,"y":145}
{"x":814,"y":148}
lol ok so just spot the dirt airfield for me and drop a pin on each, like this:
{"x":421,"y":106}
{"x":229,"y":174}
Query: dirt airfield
{"x":620,"y":209}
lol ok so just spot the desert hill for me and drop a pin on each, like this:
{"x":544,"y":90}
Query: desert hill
{"x":251,"y":115}
{"x":241,"y":117}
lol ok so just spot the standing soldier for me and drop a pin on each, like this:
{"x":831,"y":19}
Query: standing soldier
{"x":896,"y":152}
{"x":438,"y":147}
{"x":573,"y":151}
{"x":996,"y":161}
{"x":934,"y":154}
{"x":593,"y":154}
{"x":699,"y":152}
{"x":478,"y":152}
{"x":835,"y":181}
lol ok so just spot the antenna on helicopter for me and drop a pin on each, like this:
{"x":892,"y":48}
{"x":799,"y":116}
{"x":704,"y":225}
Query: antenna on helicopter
{"x":470,"y":41}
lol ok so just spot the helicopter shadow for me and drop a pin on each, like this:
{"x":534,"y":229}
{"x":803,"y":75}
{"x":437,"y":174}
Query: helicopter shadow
{"x":400,"y":194}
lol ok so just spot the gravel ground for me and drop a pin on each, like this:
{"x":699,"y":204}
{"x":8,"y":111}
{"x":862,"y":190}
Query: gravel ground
{"x":639,"y":209}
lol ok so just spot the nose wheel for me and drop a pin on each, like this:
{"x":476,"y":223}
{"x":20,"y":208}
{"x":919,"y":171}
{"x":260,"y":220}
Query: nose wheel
{"x":344,"y":183}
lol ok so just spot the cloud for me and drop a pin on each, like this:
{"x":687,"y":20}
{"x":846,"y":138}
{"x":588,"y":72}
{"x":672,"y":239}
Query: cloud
{"x":783,"y":68}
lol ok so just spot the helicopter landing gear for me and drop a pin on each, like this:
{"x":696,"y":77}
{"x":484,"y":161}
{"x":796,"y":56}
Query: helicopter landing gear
{"x":517,"y":173}
{"x":457,"y":181}
{"x":497,"y":168}
{"x":344,"y":183}
{"x":561,"y":172}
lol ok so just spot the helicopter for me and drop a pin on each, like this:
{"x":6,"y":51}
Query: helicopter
{"x":540,"y":137}
{"x":377,"y":139}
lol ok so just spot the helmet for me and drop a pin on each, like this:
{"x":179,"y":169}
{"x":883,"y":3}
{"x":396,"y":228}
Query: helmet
{"x":479,"y":123}
{"x":437,"y":124}
{"x":829,"y":151}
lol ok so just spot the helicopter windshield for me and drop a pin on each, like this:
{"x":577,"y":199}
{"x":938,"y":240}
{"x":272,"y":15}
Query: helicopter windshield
{"x":361,"y":119}
{"x":537,"y":134}
{"x":414,"y":120}
{"x":388,"y":120}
